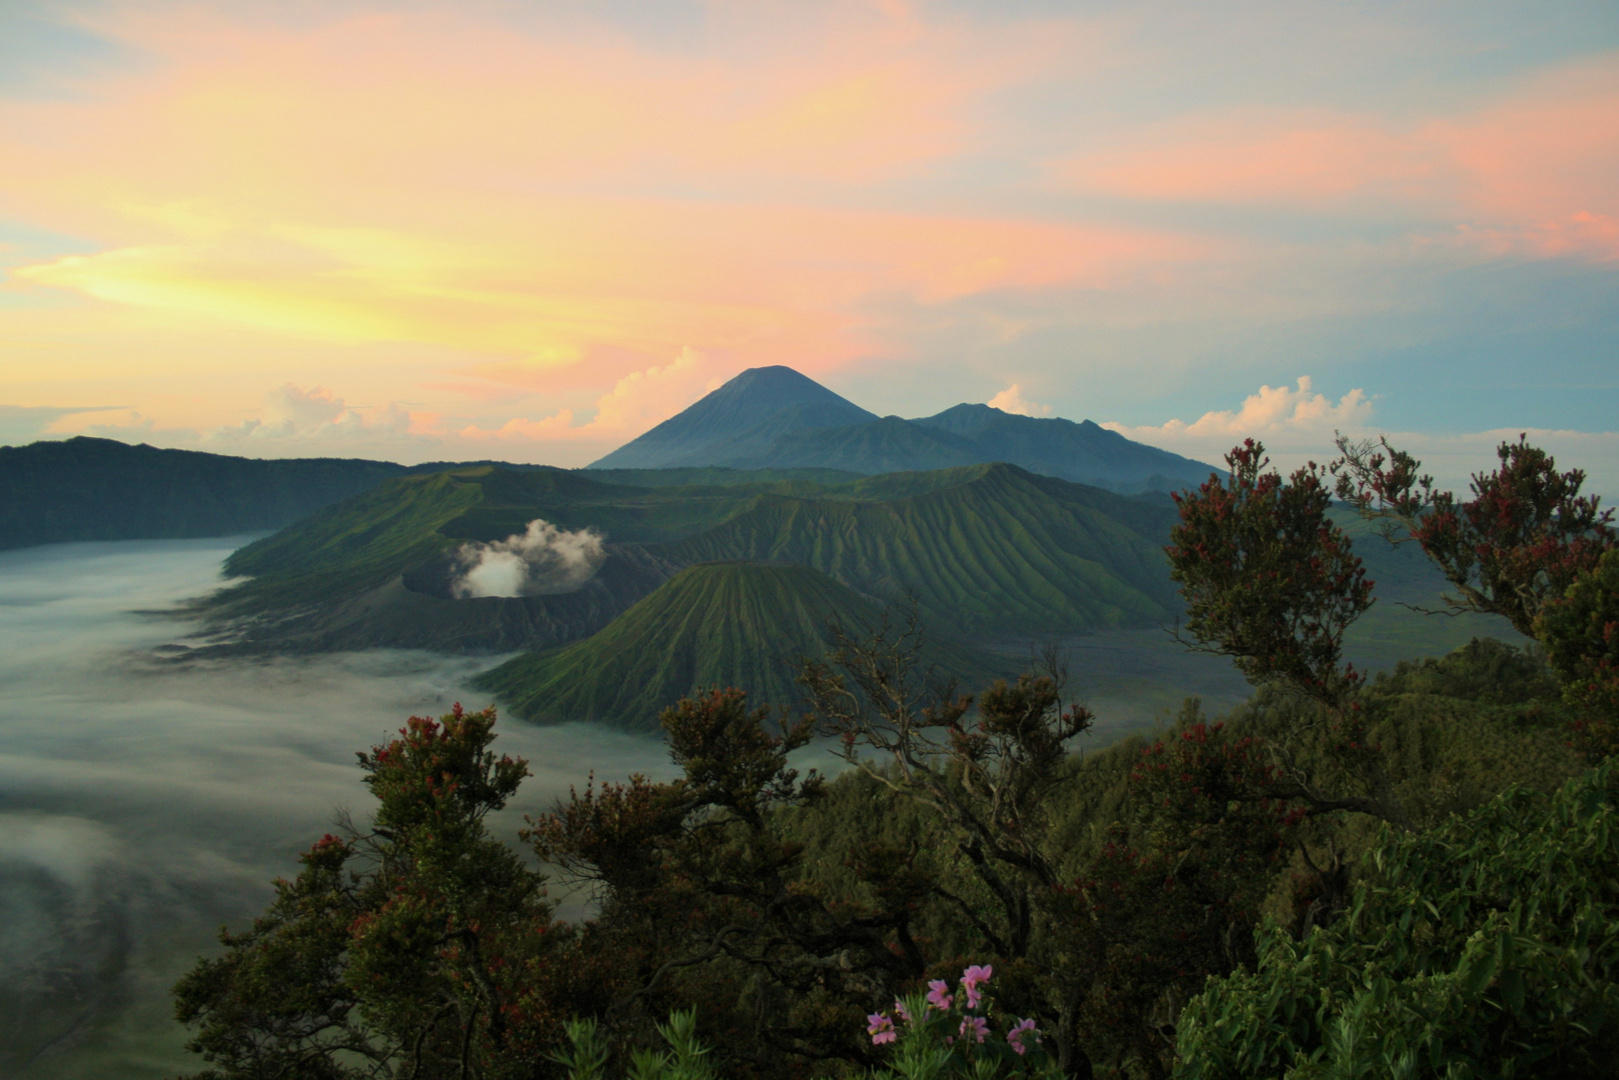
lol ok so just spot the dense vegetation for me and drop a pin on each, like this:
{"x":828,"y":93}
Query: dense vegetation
{"x":1412,"y":875}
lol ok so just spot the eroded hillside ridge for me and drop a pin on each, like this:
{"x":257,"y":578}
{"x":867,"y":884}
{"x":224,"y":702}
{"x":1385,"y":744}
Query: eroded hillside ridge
{"x":740,"y":624}
{"x":986,"y":548}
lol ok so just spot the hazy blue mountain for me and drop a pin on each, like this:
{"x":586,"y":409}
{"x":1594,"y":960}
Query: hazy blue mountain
{"x":880,"y":446}
{"x":99,"y":489}
{"x":738,"y":422}
{"x":1086,"y":452}
{"x":775,"y":418}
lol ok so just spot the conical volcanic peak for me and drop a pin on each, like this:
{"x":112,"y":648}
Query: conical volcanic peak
{"x":776,"y":418}
{"x":739,"y":419}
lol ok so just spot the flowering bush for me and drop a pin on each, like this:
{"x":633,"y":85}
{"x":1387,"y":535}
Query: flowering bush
{"x":946,"y":1034}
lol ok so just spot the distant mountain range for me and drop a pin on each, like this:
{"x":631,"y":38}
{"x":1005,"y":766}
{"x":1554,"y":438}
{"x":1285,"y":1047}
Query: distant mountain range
{"x":776,"y":418}
{"x":766,"y":425}
{"x":99,"y":489}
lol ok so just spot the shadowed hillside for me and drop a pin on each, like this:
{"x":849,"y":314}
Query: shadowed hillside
{"x":99,"y":489}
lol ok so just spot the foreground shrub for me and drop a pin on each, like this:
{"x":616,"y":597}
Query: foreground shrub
{"x":961,"y":1034}
{"x":933,"y":1036}
{"x":1488,"y":947}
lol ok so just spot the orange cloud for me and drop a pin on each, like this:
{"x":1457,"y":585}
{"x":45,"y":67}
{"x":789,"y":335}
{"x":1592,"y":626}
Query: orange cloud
{"x":441,"y":178}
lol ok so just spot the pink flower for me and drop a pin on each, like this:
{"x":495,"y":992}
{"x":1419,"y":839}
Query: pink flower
{"x":937,"y":996}
{"x":881,"y":1028}
{"x":976,"y":1027}
{"x":971,"y":979}
{"x":1022,"y":1035}
{"x":900,"y":1009}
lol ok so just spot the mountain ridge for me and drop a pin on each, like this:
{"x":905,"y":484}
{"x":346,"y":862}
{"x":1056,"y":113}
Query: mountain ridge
{"x":777,"y":418}
{"x":736,"y":420}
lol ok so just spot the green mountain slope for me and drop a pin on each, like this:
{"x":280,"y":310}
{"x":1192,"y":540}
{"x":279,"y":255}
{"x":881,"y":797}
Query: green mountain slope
{"x":720,"y":624}
{"x":986,"y":549}
{"x":405,"y":524}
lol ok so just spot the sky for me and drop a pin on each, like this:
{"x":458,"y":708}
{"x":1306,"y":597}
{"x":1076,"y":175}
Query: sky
{"x":530,"y":231}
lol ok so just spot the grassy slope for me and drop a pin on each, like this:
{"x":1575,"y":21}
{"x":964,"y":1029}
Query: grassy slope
{"x":361,"y":543}
{"x":984,"y":547}
{"x":989,"y":548}
{"x":718,"y":624}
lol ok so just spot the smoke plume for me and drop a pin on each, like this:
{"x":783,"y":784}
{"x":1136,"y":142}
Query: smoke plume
{"x":540,"y":561}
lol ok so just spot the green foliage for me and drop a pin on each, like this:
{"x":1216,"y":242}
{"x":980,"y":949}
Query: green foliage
{"x":1484,"y":670}
{"x":1488,"y":947}
{"x":588,"y":1052}
{"x":1581,"y":633}
{"x":1520,"y":541}
{"x":702,"y":900}
{"x":1104,"y":890}
{"x":422,"y":947}
{"x":747,"y":625}
{"x":1269,"y":579}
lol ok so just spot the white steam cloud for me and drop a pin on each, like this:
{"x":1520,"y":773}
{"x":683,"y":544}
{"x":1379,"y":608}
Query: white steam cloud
{"x":540,"y":561}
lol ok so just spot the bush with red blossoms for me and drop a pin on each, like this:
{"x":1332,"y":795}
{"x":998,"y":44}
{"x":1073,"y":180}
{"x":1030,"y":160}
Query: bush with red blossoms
{"x":939,"y":1034}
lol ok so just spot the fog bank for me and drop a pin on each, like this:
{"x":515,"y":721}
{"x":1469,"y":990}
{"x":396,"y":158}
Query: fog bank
{"x":143,"y":802}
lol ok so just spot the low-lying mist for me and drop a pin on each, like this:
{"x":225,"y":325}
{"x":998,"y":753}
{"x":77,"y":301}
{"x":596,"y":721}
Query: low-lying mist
{"x":143,"y":802}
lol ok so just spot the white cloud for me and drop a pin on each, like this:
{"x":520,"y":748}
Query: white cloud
{"x":638,"y":401}
{"x":317,"y":416}
{"x":1299,"y":424}
{"x":22,"y":424}
{"x":518,"y":429}
{"x":303,"y":408}
{"x":1011,"y":400}
{"x":1292,"y":422}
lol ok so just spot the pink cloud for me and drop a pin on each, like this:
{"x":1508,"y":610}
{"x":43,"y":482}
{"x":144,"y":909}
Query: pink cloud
{"x":444,"y":178}
{"x":1531,"y":172}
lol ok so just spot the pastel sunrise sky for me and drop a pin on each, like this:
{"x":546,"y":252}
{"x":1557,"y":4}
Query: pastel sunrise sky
{"x":530,"y":231}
